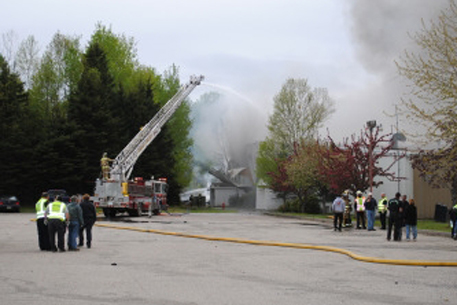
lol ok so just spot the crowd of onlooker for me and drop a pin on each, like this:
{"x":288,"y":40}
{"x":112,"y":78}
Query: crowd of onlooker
{"x":394,"y":214}
{"x":56,"y":215}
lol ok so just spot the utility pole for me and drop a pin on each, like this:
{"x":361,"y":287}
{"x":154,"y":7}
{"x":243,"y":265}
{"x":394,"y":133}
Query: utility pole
{"x":371,"y":125}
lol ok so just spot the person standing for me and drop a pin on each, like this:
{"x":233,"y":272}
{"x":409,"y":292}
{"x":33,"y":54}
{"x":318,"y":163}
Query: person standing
{"x":382,"y":210}
{"x":89,"y":218}
{"x":56,"y":215}
{"x":338,"y":207}
{"x":370,"y":208}
{"x":453,"y":217}
{"x":42,"y":228}
{"x":411,"y":220}
{"x":104,"y":163}
{"x":360,"y":210}
{"x":347,"y":221}
{"x":395,"y":220}
{"x":404,"y":203}
{"x":76,"y":222}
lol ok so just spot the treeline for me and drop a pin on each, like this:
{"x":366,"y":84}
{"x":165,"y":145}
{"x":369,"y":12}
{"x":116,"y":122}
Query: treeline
{"x":60,"y":112}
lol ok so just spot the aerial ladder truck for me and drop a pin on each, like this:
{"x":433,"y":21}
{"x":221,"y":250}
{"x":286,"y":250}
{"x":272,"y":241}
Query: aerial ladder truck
{"x":118,"y":193}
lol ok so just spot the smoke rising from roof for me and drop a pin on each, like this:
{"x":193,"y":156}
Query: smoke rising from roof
{"x":380,"y":32}
{"x":226,"y":128}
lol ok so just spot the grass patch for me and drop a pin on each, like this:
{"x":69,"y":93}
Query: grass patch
{"x":433,"y":225}
{"x":422,"y":224}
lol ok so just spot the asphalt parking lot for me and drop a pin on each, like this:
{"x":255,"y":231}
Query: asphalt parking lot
{"x":125,"y":266}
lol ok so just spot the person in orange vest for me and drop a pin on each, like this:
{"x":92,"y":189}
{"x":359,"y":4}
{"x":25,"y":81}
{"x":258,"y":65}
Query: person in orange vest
{"x":359,"y":208}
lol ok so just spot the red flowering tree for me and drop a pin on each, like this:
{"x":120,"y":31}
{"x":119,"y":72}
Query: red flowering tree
{"x":354,"y":165}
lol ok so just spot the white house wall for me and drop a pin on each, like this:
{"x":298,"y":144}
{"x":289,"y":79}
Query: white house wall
{"x":221,"y":195}
{"x":266,"y":199}
{"x":401,"y":169}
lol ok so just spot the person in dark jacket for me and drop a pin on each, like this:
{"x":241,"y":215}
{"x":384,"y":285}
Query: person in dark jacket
{"x":76,"y":222}
{"x":395,"y":217}
{"x":89,"y":217}
{"x":411,"y":219}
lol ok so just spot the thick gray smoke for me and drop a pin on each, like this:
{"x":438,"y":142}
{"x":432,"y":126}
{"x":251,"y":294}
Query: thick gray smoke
{"x":226,"y":129}
{"x":381,"y":32}
{"x":380,"y":29}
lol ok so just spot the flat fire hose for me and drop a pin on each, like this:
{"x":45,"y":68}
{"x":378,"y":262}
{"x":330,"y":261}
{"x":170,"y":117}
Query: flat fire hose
{"x":352,"y":255}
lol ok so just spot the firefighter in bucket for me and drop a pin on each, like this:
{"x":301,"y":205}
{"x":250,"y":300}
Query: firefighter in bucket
{"x":104,"y":163}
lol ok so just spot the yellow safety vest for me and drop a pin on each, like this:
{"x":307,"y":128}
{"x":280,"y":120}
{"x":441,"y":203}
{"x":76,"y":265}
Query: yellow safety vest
{"x":360,"y":205}
{"x":56,"y":210}
{"x":39,"y":207}
{"x":382,"y":205}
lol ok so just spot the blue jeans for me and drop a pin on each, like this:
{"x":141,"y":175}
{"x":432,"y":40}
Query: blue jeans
{"x":73,"y":232}
{"x":371,"y":218}
{"x":413,"y":228}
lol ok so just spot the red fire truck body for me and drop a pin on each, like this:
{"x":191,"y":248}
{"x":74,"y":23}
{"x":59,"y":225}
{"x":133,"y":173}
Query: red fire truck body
{"x":134,"y":197}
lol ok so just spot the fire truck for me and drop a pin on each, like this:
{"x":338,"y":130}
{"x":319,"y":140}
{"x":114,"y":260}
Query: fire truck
{"x":118,"y":193}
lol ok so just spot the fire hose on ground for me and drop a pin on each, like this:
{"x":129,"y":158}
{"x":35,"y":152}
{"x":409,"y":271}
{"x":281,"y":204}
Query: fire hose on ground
{"x":352,"y":255}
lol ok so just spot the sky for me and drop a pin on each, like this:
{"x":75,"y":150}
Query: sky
{"x":247,"y":49}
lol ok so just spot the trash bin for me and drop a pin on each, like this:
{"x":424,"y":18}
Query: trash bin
{"x":440,"y":213}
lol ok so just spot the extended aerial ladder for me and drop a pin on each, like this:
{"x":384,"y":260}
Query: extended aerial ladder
{"x":123,"y":164}
{"x":118,"y":193}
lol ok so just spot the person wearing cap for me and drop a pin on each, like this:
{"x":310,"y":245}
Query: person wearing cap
{"x":359,"y":207}
{"x":338,"y":207}
{"x":76,"y":222}
{"x":370,"y":207}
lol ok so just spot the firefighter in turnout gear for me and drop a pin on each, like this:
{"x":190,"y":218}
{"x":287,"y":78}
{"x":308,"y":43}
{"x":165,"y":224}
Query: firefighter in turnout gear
{"x":360,"y":210}
{"x":382,"y":210}
{"x":104,"y":163}
{"x":56,"y":215}
{"x":347,"y":221}
{"x":42,"y":228}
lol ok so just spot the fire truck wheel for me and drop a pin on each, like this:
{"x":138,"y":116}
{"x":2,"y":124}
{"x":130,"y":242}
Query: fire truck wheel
{"x":109,"y":212}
